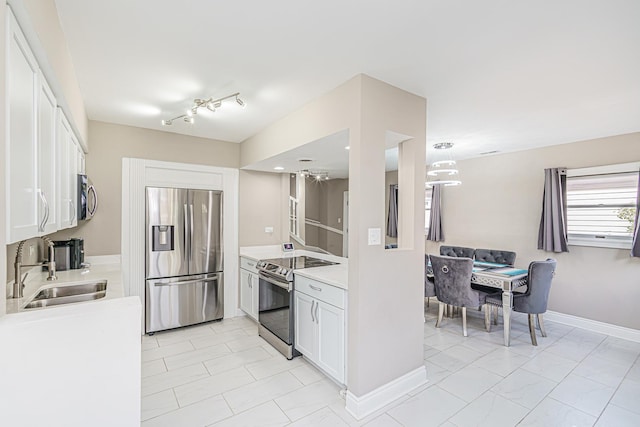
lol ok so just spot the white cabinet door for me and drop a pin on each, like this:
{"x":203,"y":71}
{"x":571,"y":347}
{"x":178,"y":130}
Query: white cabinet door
{"x":22,"y":153}
{"x":255,"y":294}
{"x":66,"y":171}
{"x":330,"y":351}
{"x":245,"y":291}
{"x":72,"y":171}
{"x":305,"y":326}
{"x":47,"y":187}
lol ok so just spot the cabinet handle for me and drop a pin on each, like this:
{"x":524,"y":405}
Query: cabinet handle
{"x":251,"y":264}
{"x":250,"y":280}
{"x":312,"y":319}
{"x":317,"y":319}
{"x":73,"y":211}
{"x":315,"y":288}
{"x":43,"y":199}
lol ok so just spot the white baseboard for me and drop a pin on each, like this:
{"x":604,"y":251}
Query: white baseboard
{"x":361,"y":406}
{"x":593,"y":325}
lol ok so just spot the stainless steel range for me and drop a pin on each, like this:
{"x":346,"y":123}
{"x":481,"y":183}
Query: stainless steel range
{"x":275,"y":300}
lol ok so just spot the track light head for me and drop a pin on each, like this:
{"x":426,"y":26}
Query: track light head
{"x":240,"y":102}
{"x":166,"y":123}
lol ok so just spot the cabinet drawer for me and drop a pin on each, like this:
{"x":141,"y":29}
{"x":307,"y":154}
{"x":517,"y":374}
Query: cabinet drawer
{"x":248,"y":264}
{"x":321,"y":291}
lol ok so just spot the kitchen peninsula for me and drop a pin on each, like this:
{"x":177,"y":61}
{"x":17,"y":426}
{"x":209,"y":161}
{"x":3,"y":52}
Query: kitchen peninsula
{"x":90,"y":350}
{"x":313,"y":308}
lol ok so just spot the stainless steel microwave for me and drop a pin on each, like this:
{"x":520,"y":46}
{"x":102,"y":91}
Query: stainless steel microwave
{"x":87,"y":198}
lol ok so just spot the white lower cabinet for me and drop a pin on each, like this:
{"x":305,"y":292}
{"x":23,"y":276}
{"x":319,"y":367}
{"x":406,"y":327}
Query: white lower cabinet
{"x":249,"y":287}
{"x":320,"y":325}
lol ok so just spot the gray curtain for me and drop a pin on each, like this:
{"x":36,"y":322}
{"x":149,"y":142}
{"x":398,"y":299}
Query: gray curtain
{"x":392,"y":218}
{"x":635,"y":248}
{"x":435,"y":222}
{"x":552,"y":236}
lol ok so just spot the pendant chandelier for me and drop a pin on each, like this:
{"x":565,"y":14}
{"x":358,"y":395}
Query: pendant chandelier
{"x":443,"y":172}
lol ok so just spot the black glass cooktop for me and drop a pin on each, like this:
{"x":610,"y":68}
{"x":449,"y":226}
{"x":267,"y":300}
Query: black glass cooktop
{"x":294,"y":263}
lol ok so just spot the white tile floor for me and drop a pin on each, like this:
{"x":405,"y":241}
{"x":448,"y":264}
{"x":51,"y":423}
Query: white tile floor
{"x":223,"y":374}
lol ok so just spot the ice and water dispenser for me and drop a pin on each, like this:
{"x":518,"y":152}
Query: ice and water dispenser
{"x":162,"y":238}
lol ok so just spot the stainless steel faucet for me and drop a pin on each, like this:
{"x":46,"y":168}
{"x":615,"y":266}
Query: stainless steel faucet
{"x":18,"y":282}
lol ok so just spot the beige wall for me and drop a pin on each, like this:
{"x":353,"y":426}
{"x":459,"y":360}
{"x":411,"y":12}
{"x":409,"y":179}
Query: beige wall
{"x":261,"y":205}
{"x":385,"y":287}
{"x":110,"y":143}
{"x":498,"y":206}
{"x":39,"y":20}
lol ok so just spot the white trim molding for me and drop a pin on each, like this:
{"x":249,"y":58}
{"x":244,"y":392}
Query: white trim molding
{"x":593,"y":326}
{"x":361,"y":406}
{"x":139,"y":173}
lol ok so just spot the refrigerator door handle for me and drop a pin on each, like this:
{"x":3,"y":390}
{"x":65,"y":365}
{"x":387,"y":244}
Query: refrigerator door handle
{"x":191,"y":233}
{"x":186,"y":282}
{"x":186,"y":236}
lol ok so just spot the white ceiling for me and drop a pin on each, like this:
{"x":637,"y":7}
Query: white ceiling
{"x":497,"y":75}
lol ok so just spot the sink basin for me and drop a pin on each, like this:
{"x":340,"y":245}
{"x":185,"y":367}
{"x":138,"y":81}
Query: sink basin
{"x":71,"y":290}
{"x":80,"y":292}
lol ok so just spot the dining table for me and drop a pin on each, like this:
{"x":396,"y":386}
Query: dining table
{"x":502,"y":277}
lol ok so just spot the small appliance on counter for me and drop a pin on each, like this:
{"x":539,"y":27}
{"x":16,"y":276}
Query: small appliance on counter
{"x":69,"y":254}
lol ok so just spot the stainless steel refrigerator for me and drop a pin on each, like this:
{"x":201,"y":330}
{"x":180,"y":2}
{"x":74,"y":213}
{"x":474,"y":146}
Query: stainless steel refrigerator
{"x":184,"y":279}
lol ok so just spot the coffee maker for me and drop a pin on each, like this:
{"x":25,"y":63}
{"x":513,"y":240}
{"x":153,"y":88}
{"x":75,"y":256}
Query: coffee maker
{"x":69,"y":254}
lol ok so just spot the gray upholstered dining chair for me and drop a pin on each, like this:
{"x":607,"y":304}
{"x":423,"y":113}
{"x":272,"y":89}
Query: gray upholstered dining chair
{"x":533,"y":301}
{"x":458,"y":251}
{"x":429,"y":286}
{"x":496,"y":256}
{"x":453,"y":286}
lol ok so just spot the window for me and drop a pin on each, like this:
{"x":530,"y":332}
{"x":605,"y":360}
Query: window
{"x":427,"y":208}
{"x":601,"y":205}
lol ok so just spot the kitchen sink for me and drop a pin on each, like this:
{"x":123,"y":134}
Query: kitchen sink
{"x":58,"y":295}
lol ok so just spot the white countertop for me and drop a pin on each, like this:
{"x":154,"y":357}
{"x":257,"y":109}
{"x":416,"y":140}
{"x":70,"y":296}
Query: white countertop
{"x":36,"y":280}
{"x":336,"y":275}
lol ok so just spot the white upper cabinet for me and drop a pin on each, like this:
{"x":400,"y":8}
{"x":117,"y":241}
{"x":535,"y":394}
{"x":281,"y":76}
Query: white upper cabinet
{"x":47,"y":164}
{"x":67,"y":164}
{"x":43,"y":156}
{"x":23,"y":216}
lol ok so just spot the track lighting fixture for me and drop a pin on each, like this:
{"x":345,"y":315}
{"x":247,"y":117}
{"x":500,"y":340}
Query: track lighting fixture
{"x":317,"y":175}
{"x":210,"y":104}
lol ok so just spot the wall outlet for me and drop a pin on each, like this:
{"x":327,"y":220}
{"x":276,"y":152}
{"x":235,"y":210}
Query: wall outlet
{"x":268,"y":229}
{"x":375,"y":236}
{"x":339,"y":220}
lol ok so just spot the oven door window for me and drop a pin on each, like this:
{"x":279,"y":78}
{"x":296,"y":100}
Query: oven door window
{"x":274,"y":309}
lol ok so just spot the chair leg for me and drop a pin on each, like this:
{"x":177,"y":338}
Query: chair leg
{"x":464,"y":321}
{"x":440,"y":313}
{"x":495,"y":315}
{"x":532,"y":330}
{"x":428,"y":299}
{"x":541,"y":325}
{"x":487,"y":317}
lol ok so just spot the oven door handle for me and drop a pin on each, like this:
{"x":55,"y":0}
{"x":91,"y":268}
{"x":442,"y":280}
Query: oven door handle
{"x":268,"y":279}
